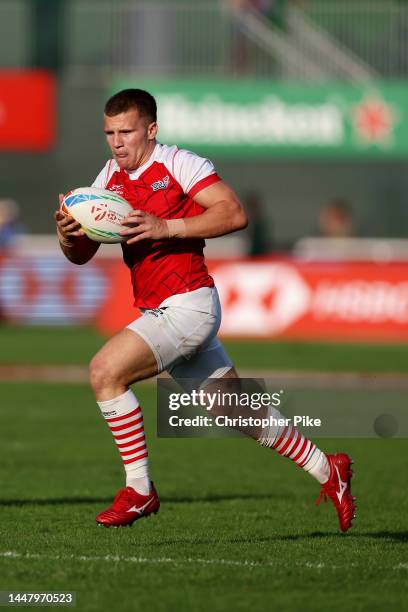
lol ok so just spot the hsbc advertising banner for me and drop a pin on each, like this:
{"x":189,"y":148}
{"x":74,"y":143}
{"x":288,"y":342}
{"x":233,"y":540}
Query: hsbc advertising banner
{"x":263,"y":299}
{"x":314,"y":301}
{"x":265,"y":118}
{"x":49,"y":290}
{"x":27,"y":110}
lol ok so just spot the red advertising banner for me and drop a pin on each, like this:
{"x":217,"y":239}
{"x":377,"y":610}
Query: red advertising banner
{"x":314,"y":301}
{"x":265,"y":299}
{"x":298,"y":301}
{"x":27,"y":110}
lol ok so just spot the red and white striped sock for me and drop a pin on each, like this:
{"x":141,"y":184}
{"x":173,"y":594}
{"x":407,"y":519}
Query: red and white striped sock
{"x":289,"y":442}
{"x":125,"y":420}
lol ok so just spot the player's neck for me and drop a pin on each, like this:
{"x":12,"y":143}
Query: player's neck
{"x":146,"y":155}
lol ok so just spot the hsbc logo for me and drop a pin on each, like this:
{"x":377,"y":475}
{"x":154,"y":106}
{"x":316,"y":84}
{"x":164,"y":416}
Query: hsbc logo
{"x":269,"y":299}
{"x":47,"y":289}
{"x":261,"y":300}
{"x":162,"y":184}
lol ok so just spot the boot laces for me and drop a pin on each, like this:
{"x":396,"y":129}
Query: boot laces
{"x":122,"y":499}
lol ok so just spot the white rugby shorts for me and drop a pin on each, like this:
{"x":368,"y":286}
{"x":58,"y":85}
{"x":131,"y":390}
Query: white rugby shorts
{"x":182,"y":333}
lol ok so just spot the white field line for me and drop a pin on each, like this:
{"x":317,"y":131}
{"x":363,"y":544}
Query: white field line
{"x":290,"y":379}
{"x":11,"y":554}
{"x":141,"y":560}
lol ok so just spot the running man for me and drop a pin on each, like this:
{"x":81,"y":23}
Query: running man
{"x":179,"y":200}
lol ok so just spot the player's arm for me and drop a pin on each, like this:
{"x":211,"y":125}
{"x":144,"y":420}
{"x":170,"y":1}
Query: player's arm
{"x":74,"y":243}
{"x":223,"y":214}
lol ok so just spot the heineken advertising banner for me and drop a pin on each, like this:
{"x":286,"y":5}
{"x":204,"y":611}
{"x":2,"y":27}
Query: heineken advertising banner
{"x":273,"y":119}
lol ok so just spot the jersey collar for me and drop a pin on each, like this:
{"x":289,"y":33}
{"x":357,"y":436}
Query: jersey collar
{"x":134,"y":174}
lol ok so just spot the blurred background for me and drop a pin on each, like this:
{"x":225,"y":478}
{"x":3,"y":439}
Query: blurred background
{"x":302,"y":106}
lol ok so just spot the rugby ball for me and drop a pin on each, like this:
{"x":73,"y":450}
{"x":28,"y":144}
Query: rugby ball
{"x":99,"y":211}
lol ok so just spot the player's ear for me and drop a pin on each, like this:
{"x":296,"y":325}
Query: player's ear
{"x":152,"y":130}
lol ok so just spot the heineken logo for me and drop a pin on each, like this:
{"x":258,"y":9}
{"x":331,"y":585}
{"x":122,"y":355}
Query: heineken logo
{"x":268,"y":121}
{"x":374,"y":120}
{"x":275,"y":122}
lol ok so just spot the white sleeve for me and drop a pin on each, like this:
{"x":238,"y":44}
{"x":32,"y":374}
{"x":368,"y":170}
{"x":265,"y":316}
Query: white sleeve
{"x":103,"y":177}
{"x":189,"y":169}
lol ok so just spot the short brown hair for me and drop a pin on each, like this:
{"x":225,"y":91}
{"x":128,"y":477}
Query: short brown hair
{"x":128,"y":99}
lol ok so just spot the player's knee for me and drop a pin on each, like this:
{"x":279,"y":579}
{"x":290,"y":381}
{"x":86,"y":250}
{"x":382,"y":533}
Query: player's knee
{"x":101,"y":375}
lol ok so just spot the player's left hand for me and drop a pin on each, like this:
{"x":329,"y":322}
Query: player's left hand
{"x":143,"y":226}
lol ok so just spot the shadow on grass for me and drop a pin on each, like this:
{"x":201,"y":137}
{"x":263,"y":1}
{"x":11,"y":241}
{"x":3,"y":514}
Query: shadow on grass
{"x":395,"y":536}
{"x":106,"y":500}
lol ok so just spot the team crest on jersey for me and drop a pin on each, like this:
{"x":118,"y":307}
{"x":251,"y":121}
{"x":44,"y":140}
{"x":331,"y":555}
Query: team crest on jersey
{"x":161,"y":184}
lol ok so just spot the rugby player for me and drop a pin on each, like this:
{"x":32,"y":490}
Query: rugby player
{"x":179,"y":200}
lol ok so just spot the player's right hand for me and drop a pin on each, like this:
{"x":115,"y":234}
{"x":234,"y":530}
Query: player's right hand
{"x":67,"y":227}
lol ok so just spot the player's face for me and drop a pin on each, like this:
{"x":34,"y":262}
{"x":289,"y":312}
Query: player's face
{"x":131,"y":138}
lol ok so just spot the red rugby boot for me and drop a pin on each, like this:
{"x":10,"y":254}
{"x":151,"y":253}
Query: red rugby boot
{"x":128,"y":506}
{"x":338,"y":489}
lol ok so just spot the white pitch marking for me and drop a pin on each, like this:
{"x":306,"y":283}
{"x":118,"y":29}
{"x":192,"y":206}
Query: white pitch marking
{"x":11,"y":554}
{"x":115,"y":558}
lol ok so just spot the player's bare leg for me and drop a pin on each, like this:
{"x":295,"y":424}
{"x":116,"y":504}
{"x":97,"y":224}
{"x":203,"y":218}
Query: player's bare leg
{"x":123,"y":360}
{"x":333,"y":472}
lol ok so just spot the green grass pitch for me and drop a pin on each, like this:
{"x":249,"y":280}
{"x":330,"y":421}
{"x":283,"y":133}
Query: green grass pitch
{"x":70,"y":345}
{"x":238,"y":528}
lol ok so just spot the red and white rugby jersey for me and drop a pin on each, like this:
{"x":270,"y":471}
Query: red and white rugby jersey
{"x":164,"y":186}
